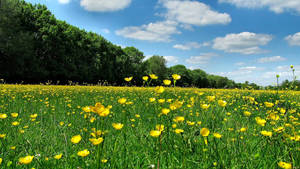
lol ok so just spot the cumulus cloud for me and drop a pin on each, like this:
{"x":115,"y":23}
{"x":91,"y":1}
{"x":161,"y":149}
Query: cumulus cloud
{"x":157,"y":32}
{"x":107,"y":31}
{"x":64,"y":1}
{"x":104,"y":5}
{"x":293,"y":40}
{"x":188,"y":46}
{"x":240,"y":63}
{"x":201,"y":59}
{"x":171,"y":59}
{"x":246,"y":73}
{"x":194,"y":13}
{"x":179,"y":13}
{"x":244,"y":43}
{"x":271,"y":59}
{"x":277,"y":6}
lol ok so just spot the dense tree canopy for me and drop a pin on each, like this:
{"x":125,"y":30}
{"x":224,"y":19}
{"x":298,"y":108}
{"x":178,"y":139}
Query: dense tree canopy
{"x":36,"y":47}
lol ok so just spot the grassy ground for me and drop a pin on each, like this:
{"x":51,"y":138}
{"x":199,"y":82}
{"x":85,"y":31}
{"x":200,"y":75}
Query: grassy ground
{"x":251,"y":129}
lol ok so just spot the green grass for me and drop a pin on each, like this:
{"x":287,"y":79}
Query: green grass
{"x":132,"y":146}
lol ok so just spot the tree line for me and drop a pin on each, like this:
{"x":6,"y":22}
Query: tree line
{"x":36,"y":47}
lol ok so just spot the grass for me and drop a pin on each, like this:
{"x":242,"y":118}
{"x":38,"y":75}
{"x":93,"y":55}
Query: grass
{"x":60,"y":116}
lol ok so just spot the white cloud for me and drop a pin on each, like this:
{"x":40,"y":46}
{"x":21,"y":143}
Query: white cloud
{"x":277,"y":6}
{"x":239,"y":63}
{"x":287,"y":68}
{"x":271,"y":59}
{"x":171,"y":59}
{"x":64,"y":1}
{"x":104,"y":5}
{"x":107,"y":31}
{"x":194,"y":13}
{"x":202,"y":59}
{"x":157,"y":32}
{"x":293,"y":40}
{"x":245,"y":43}
{"x":188,"y":46}
{"x":180,"y":13}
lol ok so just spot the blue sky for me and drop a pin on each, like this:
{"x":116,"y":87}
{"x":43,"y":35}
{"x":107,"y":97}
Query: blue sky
{"x":249,"y":40}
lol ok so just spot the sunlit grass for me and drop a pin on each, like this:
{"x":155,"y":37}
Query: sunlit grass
{"x":111,"y":127}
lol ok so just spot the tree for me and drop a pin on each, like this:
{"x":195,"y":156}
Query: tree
{"x":157,"y":65}
{"x":186,"y":75}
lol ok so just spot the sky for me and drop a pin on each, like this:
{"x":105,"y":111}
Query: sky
{"x":244,"y":40}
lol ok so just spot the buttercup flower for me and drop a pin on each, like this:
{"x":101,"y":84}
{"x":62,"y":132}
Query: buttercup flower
{"x":204,"y":132}
{"x":26,"y":160}
{"x":117,"y":126}
{"x":76,"y":139}
{"x":83,"y":153}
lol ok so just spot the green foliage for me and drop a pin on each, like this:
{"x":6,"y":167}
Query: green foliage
{"x":36,"y":47}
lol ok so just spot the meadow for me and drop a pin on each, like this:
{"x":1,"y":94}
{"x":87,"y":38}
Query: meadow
{"x":44,"y":126}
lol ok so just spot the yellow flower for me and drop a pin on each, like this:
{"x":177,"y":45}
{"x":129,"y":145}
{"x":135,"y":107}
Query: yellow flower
{"x":0,"y":160}
{"x":83,"y":153}
{"x":160,"y":127}
{"x":176,"y":76}
{"x":15,"y":123}
{"x":3,"y":116}
{"x":204,"y":106}
{"x":178,"y":131}
{"x":96,"y":141}
{"x":104,"y":113}
{"x":161,"y":100}
{"x":57,"y":157}
{"x":13,"y":147}
{"x":14,"y":115}
{"x":76,"y":139}
{"x":122,"y":100}
{"x":61,"y":123}
{"x":174,"y":125}
{"x":104,"y":160}
{"x":266,"y":133}
{"x":247,"y":113}
{"x":178,"y":119}
{"x":268,"y":104}
{"x":33,"y":116}
{"x":243,"y":129}
{"x":282,"y":110}
{"x":128,"y":79}
{"x":165,"y":111}
{"x":159,"y":89}
{"x":145,"y":78}
{"x":167,"y":82}
{"x":279,"y":129}
{"x":152,"y":99}
{"x":285,"y":165}
{"x":155,"y":133}
{"x":190,"y":123}
{"x":204,"y":132}
{"x":274,"y":116}
{"x":87,"y":109}
{"x":2,"y":135}
{"x":260,"y":121}
{"x":26,"y":160}
{"x":217,"y":135}
{"x":211,"y":98}
{"x":153,"y":76}
{"x":222,"y":103}
{"x":117,"y":126}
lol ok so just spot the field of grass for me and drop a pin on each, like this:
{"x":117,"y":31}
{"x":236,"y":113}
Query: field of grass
{"x":130,"y":127}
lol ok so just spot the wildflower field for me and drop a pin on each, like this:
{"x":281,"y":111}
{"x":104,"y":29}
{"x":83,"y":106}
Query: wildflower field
{"x":43,"y":126}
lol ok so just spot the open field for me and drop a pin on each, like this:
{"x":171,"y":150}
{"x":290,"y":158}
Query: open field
{"x":78,"y":127}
